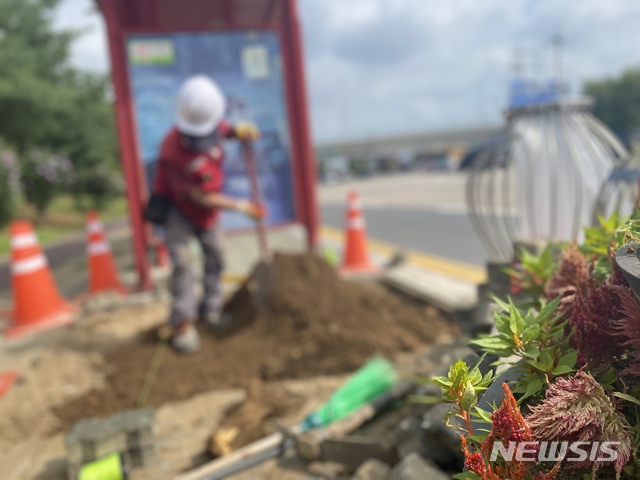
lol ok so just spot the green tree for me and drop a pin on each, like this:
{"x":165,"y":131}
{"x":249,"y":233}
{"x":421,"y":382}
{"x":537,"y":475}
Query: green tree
{"x":46,"y":104}
{"x":617,"y":100}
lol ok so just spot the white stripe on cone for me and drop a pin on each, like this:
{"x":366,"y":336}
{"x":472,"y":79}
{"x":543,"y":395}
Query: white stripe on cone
{"x":355,"y":205}
{"x":357,"y":223}
{"x":99,"y":248}
{"x":94,"y":227}
{"x":24,"y":240}
{"x":30,"y":265}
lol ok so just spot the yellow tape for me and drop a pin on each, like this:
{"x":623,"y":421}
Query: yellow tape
{"x":451,"y":268}
{"x":108,"y":468}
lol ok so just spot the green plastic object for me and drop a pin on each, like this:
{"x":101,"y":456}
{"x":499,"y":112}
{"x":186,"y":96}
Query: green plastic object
{"x":108,"y":468}
{"x":331,"y":257}
{"x":373,"y":379}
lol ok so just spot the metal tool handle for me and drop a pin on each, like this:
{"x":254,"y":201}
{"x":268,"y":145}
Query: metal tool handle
{"x":252,"y":173}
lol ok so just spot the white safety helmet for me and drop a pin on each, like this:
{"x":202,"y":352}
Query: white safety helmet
{"x":201,"y":107}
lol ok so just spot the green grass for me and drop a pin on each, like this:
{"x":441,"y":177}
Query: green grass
{"x":62,"y":218}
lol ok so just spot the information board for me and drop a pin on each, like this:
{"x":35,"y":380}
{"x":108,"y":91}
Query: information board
{"x":248,"y":68}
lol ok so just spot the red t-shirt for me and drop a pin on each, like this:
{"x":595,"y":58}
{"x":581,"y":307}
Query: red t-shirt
{"x":179,"y":170}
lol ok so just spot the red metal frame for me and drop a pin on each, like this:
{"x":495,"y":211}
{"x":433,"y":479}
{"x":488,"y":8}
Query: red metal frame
{"x":130,"y":156}
{"x":303,"y":163}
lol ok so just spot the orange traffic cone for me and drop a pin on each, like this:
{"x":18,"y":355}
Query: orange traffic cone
{"x":103,"y":275}
{"x":6,"y":380}
{"x":356,"y":255}
{"x":162,"y":256}
{"x":37,"y":303}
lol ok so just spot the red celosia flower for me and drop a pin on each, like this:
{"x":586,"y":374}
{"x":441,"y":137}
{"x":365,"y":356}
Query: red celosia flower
{"x":474,"y":462}
{"x":577,"y":409}
{"x":591,"y":307}
{"x":594,"y":314}
{"x":508,"y":425}
{"x":629,"y":328}
{"x":569,"y":279}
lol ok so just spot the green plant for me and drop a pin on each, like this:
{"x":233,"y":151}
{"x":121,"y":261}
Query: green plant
{"x":461,"y":388}
{"x":530,"y":274}
{"x":600,"y":243}
{"x":537,"y":344}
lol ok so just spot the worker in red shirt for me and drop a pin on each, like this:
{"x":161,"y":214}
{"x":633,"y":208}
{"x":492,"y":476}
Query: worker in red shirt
{"x":191,"y":177}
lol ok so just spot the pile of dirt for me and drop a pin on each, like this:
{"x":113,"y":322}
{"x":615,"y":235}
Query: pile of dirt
{"x":315,"y":324}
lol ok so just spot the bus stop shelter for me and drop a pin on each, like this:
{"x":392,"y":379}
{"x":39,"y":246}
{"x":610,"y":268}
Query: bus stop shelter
{"x":154,"y":44}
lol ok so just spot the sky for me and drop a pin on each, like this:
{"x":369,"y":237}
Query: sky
{"x":386,"y":67}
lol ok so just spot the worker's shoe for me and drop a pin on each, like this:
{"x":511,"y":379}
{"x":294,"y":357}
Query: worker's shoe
{"x":215,"y":321}
{"x":185,"y":338}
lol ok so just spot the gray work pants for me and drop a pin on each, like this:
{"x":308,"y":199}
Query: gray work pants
{"x":184,"y":306}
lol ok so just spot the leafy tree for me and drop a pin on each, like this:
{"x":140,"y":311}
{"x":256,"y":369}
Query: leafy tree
{"x":617,"y":100}
{"x":9,"y":185}
{"x":43,"y":176}
{"x":48,"y":106}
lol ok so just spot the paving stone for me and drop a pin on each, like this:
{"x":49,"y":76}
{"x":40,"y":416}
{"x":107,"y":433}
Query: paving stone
{"x":92,"y":439}
{"x":414,"y":467}
{"x":137,"y":426}
{"x":372,"y":470}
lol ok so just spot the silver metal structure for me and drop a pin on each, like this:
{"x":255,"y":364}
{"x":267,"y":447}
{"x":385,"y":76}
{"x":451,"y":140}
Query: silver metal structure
{"x":620,"y":192}
{"x":542,"y":181}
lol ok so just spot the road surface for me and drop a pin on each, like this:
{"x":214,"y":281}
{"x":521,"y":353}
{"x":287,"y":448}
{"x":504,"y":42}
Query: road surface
{"x":448,"y":235}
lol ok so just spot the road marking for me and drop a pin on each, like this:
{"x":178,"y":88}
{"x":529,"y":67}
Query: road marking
{"x":452,"y":268}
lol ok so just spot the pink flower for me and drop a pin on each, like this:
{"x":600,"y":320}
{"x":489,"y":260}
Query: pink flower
{"x":577,"y":409}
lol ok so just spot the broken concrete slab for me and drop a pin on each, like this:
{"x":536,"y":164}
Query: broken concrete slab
{"x":414,"y":467}
{"x":447,"y":293}
{"x":372,"y":469}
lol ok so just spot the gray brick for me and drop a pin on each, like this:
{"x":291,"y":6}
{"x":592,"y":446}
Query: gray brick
{"x":414,"y":467}
{"x":372,"y":470}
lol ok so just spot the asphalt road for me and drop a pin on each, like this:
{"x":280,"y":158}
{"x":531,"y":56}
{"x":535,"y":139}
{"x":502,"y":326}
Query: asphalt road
{"x":432,"y":231}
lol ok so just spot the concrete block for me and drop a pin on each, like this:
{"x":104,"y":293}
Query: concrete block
{"x":73,"y":470}
{"x":444,"y":292}
{"x":414,"y":467}
{"x":138,"y":427}
{"x":372,"y":470}
{"x":140,"y":457}
{"x":440,"y":442}
{"x":93,"y":439}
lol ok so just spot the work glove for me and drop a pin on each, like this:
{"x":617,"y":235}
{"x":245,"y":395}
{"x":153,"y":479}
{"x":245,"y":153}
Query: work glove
{"x":247,"y":131}
{"x":252,"y":209}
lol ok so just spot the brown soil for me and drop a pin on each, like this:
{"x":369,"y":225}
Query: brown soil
{"x":250,"y":420}
{"x":315,"y":324}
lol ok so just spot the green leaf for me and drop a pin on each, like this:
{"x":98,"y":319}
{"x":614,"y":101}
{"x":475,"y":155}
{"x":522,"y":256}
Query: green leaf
{"x":468,"y":397}
{"x":569,"y":359}
{"x":537,"y":365}
{"x":608,"y":377}
{"x":483,"y":414}
{"x":496,"y":345}
{"x":547,"y":311}
{"x":626,"y":397}
{"x":546,"y":357}
{"x":561,"y":370}
{"x":443,"y":382}
{"x":531,"y":350}
{"x":467,"y":476}
{"x":458,"y":380}
{"x":532,"y":387}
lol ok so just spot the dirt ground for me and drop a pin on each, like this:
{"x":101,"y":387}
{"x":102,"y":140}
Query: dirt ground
{"x":316,"y":330}
{"x":315,"y":324}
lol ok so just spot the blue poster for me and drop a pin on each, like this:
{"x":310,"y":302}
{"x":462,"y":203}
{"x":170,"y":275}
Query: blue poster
{"x":248,"y":68}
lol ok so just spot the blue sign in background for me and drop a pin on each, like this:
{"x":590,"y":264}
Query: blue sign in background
{"x":254,"y":94}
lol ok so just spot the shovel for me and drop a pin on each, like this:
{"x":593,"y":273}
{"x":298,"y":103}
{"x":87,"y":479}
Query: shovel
{"x":262,"y":280}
